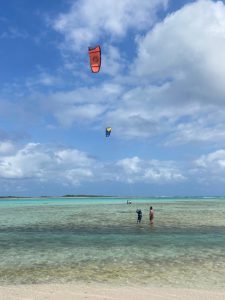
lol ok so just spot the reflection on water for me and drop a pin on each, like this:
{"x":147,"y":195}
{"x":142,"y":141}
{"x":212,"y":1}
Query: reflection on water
{"x":94,"y":240}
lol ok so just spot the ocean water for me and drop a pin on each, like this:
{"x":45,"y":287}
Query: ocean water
{"x":98,"y":240}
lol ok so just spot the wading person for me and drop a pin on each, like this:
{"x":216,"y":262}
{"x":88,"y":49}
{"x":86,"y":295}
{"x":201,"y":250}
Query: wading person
{"x":151,"y":215}
{"x":139,"y":215}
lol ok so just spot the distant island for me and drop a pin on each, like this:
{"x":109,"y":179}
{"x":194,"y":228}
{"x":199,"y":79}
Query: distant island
{"x":85,"y":196}
{"x":64,"y":196}
{"x":14,"y":197}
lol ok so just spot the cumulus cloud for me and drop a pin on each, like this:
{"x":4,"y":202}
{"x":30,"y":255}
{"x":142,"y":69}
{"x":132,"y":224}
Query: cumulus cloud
{"x":43,"y":163}
{"x":24,"y":164}
{"x":187,"y":47}
{"x":149,"y":171}
{"x":113,"y":62}
{"x":6,"y":147}
{"x":180,"y":73}
{"x":210,"y":167}
{"x":83,"y":105}
{"x":175,"y":90}
{"x":200,"y":130}
{"x":87,"y":22}
{"x":175,"y":86}
{"x":212,"y":160}
{"x":79,"y":113}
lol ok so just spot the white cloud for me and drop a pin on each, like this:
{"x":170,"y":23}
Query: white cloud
{"x":43,"y":163}
{"x":210,"y":168}
{"x":27,"y":162}
{"x":35,"y":161}
{"x":75,"y":176}
{"x":83,"y":105}
{"x":87,"y":22}
{"x":6,"y":147}
{"x":199,"y":131}
{"x":180,"y":74}
{"x":213,"y":161}
{"x":175,"y":90}
{"x":130,"y":165}
{"x":187,"y":48}
{"x":146,"y":112}
{"x":44,"y":79}
{"x":79,"y":113}
{"x":112,"y":61}
{"x":68,"y":157}
{"x":137,"y":170}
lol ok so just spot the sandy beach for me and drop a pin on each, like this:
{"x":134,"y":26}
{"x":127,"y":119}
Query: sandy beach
{"x":102,"y":291}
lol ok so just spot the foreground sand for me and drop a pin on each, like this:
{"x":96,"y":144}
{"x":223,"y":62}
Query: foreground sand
{"x":102,"y":291}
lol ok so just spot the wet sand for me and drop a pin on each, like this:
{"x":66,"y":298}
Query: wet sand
{"x":104,"y":291}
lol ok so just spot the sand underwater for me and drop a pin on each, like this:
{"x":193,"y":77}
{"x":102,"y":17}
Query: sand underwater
{"x":97,"y":241}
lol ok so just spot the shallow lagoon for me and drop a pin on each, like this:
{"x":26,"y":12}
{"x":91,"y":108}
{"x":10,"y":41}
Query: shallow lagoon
{"x":63,"y":240}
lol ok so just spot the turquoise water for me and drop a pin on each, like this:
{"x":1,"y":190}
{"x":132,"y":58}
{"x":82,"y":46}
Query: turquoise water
{"x":64,"y":240}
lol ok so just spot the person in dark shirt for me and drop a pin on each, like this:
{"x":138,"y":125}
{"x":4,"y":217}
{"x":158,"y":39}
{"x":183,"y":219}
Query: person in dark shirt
{"x":139,"y":215}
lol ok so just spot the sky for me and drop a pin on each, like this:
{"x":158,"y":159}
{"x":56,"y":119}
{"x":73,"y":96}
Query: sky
{"x":161,"y":89}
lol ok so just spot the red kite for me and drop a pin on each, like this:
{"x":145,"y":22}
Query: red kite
{"x":95,"y":58}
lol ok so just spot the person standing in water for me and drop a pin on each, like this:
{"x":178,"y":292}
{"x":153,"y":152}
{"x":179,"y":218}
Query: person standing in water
{"x":151,"y":215}
{"x":139,"y":215}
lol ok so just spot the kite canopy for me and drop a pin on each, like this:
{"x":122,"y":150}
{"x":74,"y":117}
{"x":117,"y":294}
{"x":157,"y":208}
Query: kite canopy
{"x":95,"y":58}
{"x":108,"y":131}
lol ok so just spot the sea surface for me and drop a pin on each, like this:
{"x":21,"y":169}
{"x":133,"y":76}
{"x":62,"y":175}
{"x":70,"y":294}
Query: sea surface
{"x":98,"y":240}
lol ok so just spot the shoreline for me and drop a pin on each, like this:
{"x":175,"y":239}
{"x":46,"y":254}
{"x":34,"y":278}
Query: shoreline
{"x":104,"y":291}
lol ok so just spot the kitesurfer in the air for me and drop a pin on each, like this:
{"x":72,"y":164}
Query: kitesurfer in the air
{"x":108,"y":131}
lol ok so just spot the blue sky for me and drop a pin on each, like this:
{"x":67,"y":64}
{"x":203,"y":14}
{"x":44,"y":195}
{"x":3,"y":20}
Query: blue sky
{"x":161,"y":89}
